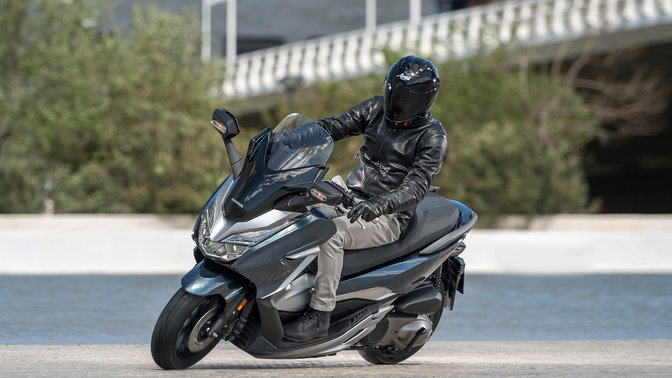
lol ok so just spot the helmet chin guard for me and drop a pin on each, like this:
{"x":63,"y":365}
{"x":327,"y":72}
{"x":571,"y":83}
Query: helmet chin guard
{"x":410,"y":89}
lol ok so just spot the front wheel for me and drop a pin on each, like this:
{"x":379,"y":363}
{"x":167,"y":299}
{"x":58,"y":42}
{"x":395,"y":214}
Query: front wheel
{"x":180,"y":336}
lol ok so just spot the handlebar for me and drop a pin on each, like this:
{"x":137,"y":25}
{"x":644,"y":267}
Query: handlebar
{"x":321,"y":192}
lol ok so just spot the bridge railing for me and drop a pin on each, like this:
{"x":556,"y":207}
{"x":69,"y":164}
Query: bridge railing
{"x":443,"y":36}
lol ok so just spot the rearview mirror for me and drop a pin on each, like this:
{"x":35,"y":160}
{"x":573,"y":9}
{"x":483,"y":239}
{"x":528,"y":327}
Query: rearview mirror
{"x":225,"y":123}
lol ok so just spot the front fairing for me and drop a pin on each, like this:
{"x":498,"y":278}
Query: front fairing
{"x":239,"y":226}
{"x":289,"y":156}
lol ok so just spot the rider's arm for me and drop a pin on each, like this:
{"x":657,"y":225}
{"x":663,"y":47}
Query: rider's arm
{"x":352,"y":122}
{"x":428,"y":159}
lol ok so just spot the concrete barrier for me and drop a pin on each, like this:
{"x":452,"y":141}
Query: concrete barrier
{"x":568,"y":252}
{"x":81,"y":244}
{"x":150,"y":244}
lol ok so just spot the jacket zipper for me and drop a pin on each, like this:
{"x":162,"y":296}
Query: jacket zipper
{"x":378,"y":162}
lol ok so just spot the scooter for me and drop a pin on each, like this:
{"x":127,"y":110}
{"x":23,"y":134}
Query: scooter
{"x":257,"y":240}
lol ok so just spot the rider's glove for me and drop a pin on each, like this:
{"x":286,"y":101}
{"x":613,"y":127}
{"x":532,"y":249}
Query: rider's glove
{"x":368,"y":210}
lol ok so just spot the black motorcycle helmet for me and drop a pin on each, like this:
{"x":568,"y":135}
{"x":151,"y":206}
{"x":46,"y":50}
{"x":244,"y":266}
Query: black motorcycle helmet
{"x":411,"y":86}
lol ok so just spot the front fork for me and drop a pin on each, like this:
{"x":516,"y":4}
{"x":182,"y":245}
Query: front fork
{"x":226,"y":319}
{"x":208,"y":278}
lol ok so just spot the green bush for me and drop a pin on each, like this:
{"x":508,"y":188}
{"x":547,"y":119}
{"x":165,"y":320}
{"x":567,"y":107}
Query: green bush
{"x":99,"y":120}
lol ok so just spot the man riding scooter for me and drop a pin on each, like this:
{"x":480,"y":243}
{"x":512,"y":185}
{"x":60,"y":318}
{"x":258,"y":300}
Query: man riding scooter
{"x":404,"y":147}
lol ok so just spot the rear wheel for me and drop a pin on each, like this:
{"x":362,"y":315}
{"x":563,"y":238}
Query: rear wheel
{"x":180,"y":336}
{"x":386,"y":355}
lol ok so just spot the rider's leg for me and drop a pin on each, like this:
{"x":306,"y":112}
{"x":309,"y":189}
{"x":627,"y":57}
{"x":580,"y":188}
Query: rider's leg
{"x":329,"y":265}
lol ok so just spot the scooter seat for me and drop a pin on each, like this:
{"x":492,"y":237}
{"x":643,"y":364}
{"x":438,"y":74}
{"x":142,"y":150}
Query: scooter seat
{"x":434,"y":217}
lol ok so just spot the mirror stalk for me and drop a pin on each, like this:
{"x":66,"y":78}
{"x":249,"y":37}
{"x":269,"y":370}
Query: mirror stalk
{"x":235,"y":159}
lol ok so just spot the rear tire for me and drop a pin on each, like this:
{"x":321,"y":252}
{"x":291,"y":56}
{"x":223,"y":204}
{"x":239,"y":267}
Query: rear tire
{"x":179,"y":339}
{"x":380,"y":355}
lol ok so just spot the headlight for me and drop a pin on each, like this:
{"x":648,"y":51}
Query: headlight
{"x":233,"y":246}
{"x":218,"y":250}
{"x":204,"y":222}
{"x":210,"y":213}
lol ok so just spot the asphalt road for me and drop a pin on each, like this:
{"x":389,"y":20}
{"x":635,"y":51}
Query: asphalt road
{"x":547,"y":358}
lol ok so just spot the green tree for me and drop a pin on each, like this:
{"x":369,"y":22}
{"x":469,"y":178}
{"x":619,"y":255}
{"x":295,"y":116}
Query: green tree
{"x":20,"y":190}
{"x":94,"y":119}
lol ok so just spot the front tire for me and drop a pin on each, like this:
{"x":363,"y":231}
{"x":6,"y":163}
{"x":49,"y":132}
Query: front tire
{"x":180,"y":335}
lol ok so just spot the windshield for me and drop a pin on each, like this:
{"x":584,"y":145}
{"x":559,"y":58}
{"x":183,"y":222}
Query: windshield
{"x":293,"y":154}
{"x":298,"y":142}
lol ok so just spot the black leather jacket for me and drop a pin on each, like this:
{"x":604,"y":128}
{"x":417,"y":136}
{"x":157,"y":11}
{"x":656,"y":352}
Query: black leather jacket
{"x":397,"y":164}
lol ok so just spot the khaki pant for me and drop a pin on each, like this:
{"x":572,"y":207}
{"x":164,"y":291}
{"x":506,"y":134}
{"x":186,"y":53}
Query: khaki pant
{"x":348,"y":236}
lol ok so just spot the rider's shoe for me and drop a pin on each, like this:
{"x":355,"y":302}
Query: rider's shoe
{"x":311,"y":325}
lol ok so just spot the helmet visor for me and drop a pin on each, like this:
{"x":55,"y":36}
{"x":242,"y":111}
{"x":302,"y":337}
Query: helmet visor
{"x":402,"y":103}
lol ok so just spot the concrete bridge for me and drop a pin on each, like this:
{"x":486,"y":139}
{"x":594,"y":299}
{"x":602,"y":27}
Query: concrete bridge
{"x":540,"y":25}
